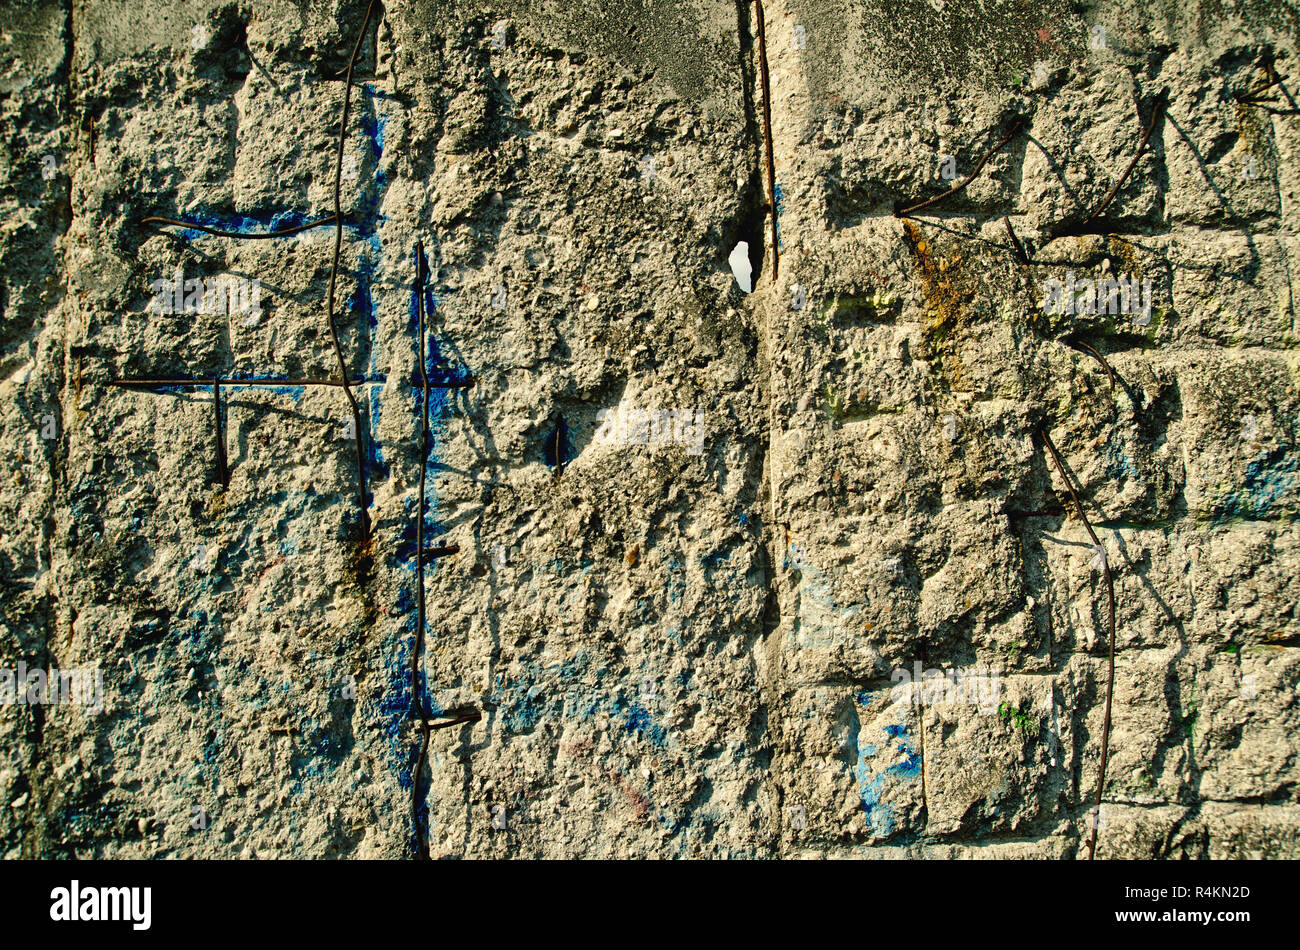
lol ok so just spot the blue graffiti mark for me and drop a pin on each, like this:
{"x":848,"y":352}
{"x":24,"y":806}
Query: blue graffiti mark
{"x":361,"y":298}
{"x":640,"y":724}
{"x":816,"y":624}
{"x":1119,"y":465}
{"x":372,"y":123}
{"x":570,"y":693}
{"x":371,"y":197}
{"x":675,"y":585}
{"x":376,"y":463}
{"x":250,"y":223}
{"x":871,"y":783}
{"x":710,"y":560}
{"x":779,"y":194}
{"x":1268,"y":480}
{"x":521,"y":707}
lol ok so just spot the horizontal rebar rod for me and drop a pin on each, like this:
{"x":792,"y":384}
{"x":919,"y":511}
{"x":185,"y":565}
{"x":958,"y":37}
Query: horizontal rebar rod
{"x":229,"y":383}
{"x":428,"y":554}
{"x":470,"y":716}
{"x":218,"y":232}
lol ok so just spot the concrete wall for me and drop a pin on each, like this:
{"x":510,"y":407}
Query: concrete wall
{"x":688,"y":637}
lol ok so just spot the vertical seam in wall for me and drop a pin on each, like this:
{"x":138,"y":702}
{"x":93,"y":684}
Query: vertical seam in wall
{"x":757,"y":304}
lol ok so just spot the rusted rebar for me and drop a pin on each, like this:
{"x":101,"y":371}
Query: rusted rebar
{"x":1015,"y":243}
{"x":442,"y":550}
{"x":1016,"y":126}
{"x":334,"y":273}
{"x":458,"y":717}
{"x":1254,"y":97}
{"x":234,"y":382}
{"x":417,"y":705}
{"x":424,"y":555}
{"x":420,"y":268}
{"x":558,"y":447}
{"x":196,"y":226}
{"x":223,"y":474}
{"x":227,"y":382}
{"x":767,"y":132}
{"x":1110,"y":373}
{"x":1049,"y":511}
{"x":1110,"y":595}
{"x":1251,"y":96}
{"x":1156,"y":111}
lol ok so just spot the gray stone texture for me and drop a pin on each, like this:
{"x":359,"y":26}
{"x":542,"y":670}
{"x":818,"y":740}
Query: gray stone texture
{"x":681,"y":648}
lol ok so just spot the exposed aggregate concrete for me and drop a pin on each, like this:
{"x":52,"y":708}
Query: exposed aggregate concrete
{"x":686,"y":640}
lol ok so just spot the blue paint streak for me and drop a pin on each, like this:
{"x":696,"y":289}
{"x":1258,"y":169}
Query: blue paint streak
{"x":872,"y":783}
{"x":1268,"y":480}
{"x":779,"y":194}
{"x":640,"y":724}
{"x":248,"y":223}
{"x":565,"y":694}
{"x":1119,"y":465}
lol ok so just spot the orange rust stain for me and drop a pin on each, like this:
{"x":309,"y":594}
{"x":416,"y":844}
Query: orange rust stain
{"x":942,"y":295}
{"x":945,"y":298}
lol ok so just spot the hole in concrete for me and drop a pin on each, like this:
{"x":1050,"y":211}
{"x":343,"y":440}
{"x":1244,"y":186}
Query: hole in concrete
{"x":741,"y":266}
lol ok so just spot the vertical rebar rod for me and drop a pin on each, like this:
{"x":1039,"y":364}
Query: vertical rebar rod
{"x":417,"y":704}
{"x":767,"y":131}
{"x":223,"y":473}
{"x":1110,"y":676}
{"x":334,"y":273}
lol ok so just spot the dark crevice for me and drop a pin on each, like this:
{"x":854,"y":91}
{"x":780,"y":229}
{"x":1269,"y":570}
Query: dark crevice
{"x":750,"y":218}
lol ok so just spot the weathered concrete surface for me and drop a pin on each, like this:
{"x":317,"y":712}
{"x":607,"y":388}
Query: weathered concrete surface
{"x":691,"y":643}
